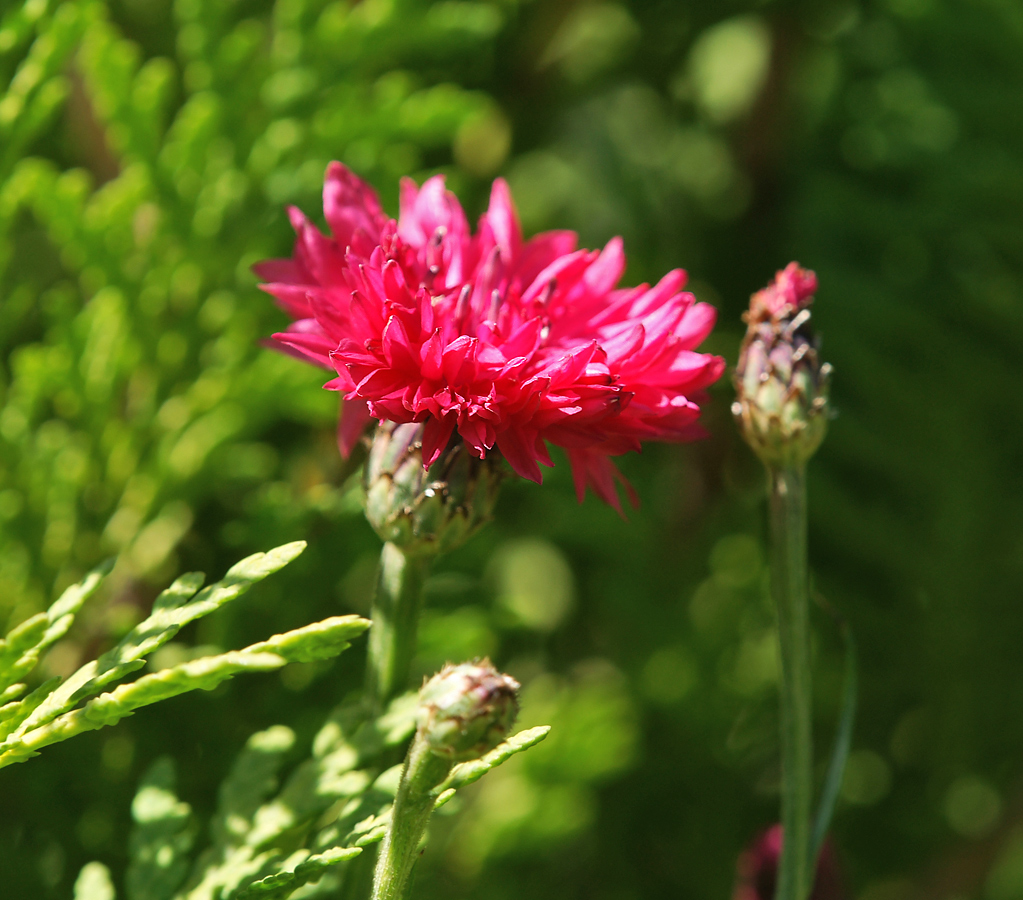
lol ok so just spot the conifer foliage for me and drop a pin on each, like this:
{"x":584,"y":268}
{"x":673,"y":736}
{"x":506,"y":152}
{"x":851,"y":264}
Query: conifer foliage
{"x":129,"y":328}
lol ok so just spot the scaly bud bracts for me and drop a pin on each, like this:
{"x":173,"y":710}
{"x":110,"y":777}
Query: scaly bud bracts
{"x":426,"y":510}
{"x":467,"y":710}
{"x":782,"y":387}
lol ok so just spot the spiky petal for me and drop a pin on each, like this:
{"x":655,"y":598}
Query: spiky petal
{"x":509,"y":344}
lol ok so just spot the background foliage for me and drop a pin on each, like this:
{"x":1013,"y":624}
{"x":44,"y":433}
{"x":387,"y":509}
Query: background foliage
{"x":147,"y":149}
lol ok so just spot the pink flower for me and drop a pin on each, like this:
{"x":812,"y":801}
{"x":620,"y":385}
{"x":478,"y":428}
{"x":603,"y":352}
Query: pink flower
{"x":792,"y":290}
{"x":757,"y":870}
{"x":513,"y":344}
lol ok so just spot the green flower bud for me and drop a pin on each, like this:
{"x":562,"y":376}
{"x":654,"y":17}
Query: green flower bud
{"x":425,"y":511}
{"x":467,"y":710}
{"x":782,"y":387}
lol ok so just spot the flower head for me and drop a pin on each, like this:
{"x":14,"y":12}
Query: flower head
{"x":780,"y":383}
{"x":757,"y":870}
{"x":509,"y":344}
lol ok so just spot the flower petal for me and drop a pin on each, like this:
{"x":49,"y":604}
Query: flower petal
{"x":516,"y":345}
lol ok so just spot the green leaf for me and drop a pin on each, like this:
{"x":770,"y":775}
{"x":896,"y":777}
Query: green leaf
{"x":249,"y":829}
{"x":13,"y":693}
{"x":94,"y":883}
{"x":171,"y":612}
{"x":466,"y":773}
{"x":46,"y":718}
{"x":13,"y":714}
{"x":198,"y":674}
{"x":246,"y":860}
{"x":282,"y":885}
{"x":252,"y":779}
{"x":21,"y":649}
{"x":25,"y":636}
{"x":162,"y":836}
{"x":321,"y":640}
{"x":374,"y":830}
{"x":840,"y":752}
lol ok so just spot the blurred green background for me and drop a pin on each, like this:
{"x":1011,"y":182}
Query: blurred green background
{"x":147,"y":150}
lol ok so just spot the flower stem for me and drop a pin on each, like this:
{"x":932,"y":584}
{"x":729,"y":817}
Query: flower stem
{"x":413,"y":804}
{"x":789,"y":591}
{"x":392,"y":639}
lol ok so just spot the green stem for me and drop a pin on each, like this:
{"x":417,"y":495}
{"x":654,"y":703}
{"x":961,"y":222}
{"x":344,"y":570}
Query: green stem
{"x":413,"y":805}
{"x":392,"y":639}
{"x":789,"y":591}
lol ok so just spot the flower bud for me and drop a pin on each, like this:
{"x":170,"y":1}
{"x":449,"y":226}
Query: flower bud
{"x":782,"y":387}
{"x":466,"y":710}
{"x":426,"y":510}
{"x":757,"y":870}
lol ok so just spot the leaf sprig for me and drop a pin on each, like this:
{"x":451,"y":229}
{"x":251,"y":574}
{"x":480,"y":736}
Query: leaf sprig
{"x":267,"y":843}
{"x":89,"y":699}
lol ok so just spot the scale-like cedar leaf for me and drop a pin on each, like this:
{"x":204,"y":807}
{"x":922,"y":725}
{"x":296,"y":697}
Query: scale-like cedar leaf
{"x":170,"y":614}
{"x":53,"y":718}
{"x":94,"y":883}
{"x":282,"y":885}
{"x":353,"y":805}
{"x":320,"y":640}
{"x":252,"y":779}
{"x":21,"y":649}
{"x":161,"y":838}
{"x":13,"y":714}
{"x":466,"y":773}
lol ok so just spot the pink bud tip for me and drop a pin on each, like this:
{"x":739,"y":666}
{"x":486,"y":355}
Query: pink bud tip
{"x":792,"y":289}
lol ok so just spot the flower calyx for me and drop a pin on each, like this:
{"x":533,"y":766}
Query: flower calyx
{"x":426,"y":511}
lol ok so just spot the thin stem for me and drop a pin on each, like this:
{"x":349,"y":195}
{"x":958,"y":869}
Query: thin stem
{"x":413,"y":804}
{"x":789,"y":591}
{"x":392,"y":639}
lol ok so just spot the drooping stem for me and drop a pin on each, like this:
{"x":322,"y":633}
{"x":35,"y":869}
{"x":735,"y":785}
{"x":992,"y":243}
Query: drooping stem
{"x":413,"y":804}
{"x":789,"y":591}
{"x":392,"y":639}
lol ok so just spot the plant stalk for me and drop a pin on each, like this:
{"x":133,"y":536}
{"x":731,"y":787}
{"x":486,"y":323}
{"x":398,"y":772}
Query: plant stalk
{"x":413,"y":805}
{"x":392,"y":639}
{"x":789,"y":590}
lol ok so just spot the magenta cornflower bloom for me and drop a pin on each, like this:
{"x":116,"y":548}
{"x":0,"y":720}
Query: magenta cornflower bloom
{"x":757,"y":870}
{"x":512,"y":344}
